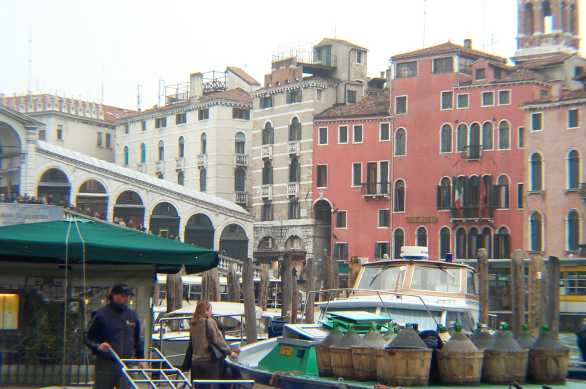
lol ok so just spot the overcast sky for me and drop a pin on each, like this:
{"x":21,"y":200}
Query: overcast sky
{"x":80,"y":45}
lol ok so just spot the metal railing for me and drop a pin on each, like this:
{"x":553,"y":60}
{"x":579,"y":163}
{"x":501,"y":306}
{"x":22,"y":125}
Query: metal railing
{"x":266,"y":151}
{"x":179,"y":163}
{"x":473,"y":152}
{"x":241,"y":160}
{"x":202,"y":160}
{"x":294,"y":147}
{"x":376,"y":189}
{"x":160,"y":166}
{"x":472,"y":212}
{"x":266,"y":192}
{"x":241,"y":197}
{"x":292,"y":189}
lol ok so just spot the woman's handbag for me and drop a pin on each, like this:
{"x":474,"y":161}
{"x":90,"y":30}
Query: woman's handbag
{"x":214,"y":350}
{"x":186,"y":366}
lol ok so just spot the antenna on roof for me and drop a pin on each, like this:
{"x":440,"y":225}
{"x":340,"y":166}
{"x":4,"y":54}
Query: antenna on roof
{"x":30,"y":59}
{"x":138,"y":93}
{"x":102,"y":92}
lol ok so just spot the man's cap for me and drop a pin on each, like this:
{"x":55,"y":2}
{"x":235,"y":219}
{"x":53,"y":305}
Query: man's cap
{"x":121,"y":289}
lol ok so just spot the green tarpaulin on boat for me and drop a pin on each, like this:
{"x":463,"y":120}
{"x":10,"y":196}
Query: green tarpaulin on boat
{"x":58,"y":241}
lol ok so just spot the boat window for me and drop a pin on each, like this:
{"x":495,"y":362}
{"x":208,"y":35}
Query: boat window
{"x":471,"y":282}
{"x":424,"y":319}
{"x":436,"y":279}
{"x":378,"y":278}
{"x":464,"y":318}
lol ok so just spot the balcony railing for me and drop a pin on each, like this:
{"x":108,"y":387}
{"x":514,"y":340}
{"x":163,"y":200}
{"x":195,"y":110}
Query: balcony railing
{"x":141,"y":167}
{"x":293,"y":147}
{"x":202,"y":160}
{"x":241,"y":197}
{"x":376,"y":189}
{"x":266,"y":151}
{"x":266,"y":192}
{"x":160,"y":166}
{"x":241,"y":160}
{"x":293,"y":189}
{"x":179,"y":163}
{"x":473,"y":152}
{"x":473,"y":212}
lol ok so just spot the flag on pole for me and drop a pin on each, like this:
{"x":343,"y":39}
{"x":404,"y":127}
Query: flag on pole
{"x":458,"y":192}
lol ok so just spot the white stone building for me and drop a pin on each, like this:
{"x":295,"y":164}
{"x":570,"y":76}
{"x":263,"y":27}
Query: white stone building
{"x":79,"y":125}
{"x":200,"y":139}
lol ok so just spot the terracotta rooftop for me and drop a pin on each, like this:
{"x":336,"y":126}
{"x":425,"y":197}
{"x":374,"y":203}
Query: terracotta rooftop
{"x":242,"y":74}
{"x":446,"y":48}
{"x":238,"y":95}
{"x":368,"y":106}
{"x":565,"y":96}
{"x":539,"y":63}
{"x":329,"y":41}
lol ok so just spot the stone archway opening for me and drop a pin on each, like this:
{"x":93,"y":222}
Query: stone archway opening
{"x":92,"y":199}
{"x":234,"y":242}
{"x":10,"y":160}
{"x":54,"y":187}
{"x":129,"y":210}
{"x":165,"y":221}
{"x":322,"y":212}
{"x":199,"y":231}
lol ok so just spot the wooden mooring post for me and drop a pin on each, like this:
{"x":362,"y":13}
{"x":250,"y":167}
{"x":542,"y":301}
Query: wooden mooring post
{"x":287,"y":288}
{"x":553,"y":295}
{"x":233,"y":284}
{"x":210,"y":285}
{"x":535,"y":293}
{"x":310,"y":285}
{"x":483,"y":285}
{"x":249,"y":301}
{"x":517,"y":291}
{"x":263,"y":298}
{"x":294,"y":296}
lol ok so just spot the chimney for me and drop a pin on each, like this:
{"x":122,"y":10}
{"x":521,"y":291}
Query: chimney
{"x":195,"y":85}
{"x":467,"y":43}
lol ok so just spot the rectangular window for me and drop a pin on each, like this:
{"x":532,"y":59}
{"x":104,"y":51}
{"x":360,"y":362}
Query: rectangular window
{"x":126,"y":129}
{"x":267,"y":211}
{"x":143,"y":125}
{"x":351,"y":97}
{"x":463,"y":101}
{"x":356,"y":174}
{"x":357,"y":134}
{"x":323,"y":136}
{"x":343,"y":134}
{"x":9,"y":311}
{"x":487,"y":99}
{"x":400,"y":105}
{"x":447,"y":100}
{"x":108,"y":141}
{"x":384,"y":133}
{"x":443,"y":65}
{"x":480,"y":74}
{"x":294,"y":96}
{"x":42,"y":134}
{"x":521,"y":137}
{"x":322,"y":176}
{"x":239,"y":113}
{"x":266,"y":101}
{"x":520,"y":196}
{"x":60,"y":132}
{"x":536,"y":121}
{"x":384,"y":217}
{"x":294,"y":209}
{"x":203,"y":114}
{"x":359,"y":56}
{"x":341,"y":219}
{"x":100,"y":139}
{"x":161,"y":122}
{"x":573,"y":119}
{"x":504,"y":97}
{"x":406,"y":69}
{"x":181,"y":118}
{"x":341,"y":250}
{"x":381,"y":250}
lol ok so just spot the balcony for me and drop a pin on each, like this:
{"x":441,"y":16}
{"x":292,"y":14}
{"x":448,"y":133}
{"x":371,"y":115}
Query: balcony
{"x":294,"y":147}
{"x":241,"y":198}
{"x":472,"y":213}
{"x":266,"y":151}
{"x":266,"y":192}
{"x":472,"y":153}
{"x":160,"y":167}
{"x":141,"y":167}
{"x":293,"y":189}
{"x":202,"y":160}
{"x":373,"y":190}
{"x":179,"y":164}
{"x":241,"y":160}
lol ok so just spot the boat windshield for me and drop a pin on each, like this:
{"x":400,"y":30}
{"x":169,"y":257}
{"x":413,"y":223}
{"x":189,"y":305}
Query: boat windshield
{"x":377,"y":278}
{"x":436,"y":279}
{"x":471,"y":282}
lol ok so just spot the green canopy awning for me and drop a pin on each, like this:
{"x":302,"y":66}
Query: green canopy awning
{"x":99,"y":243}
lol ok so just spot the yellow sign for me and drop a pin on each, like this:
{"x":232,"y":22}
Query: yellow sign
{"x":9,"y":303}
{"x":422,"y":219}
{"x":286,"y":351}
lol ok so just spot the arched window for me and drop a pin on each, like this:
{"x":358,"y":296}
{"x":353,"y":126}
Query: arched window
{"x":503,"y":192}
{"x":573,"y":19}
{"x":240,"y":143}
{"x":536,"y":232}
{"x":161,"y":150}
{"x":400,"y":142}
{"x":473,"y":242}
{"x":573,"y":230}
{"x":446,"y":139}
{"x":444,"y":194}
{"x":486,"y":241}
{"x":445,"y":242}
{"x":398,"y":242}
{"x":502,"y":243}
{"x":528,"y":19}
{"x":474,"y":192}
{"x":461,"y":243}
{"x":181,"y":177}
{"x":504,"y":135}
{"x":399,"y":196}
{"x":487,"y":136}
{"x":267,"y":173}
{"x":536,"y":172}
{"x":240,"y":179}
{"x":547,"y":17}
{"x":142,"y":153}
{"x":421,"y":237}
{"x":461,"y":137}
{"x":294,"y":171}
{"x":126,"y":156}
{"x":204,"y":144}
{"x":268,"y":134}
{"x":181,"y":145}
{"x":294,"y":130}
{"x":474,"y":141}
{"x":203,"y":180}
{"x":573,"y":170}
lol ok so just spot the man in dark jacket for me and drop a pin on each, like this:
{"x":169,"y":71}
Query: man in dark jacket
{"x":581,"y":335}
{"x":116,"y":327}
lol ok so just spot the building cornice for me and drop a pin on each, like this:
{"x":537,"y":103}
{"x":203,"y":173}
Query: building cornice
{"x":82,"y":119}
{"x":357,"y":118}
{"x":554,"y":104}
{"x":504,"y":83}
{"x":304,"y":84}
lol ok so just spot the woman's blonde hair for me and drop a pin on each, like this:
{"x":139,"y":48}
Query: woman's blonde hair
{"x":201,"y":310}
